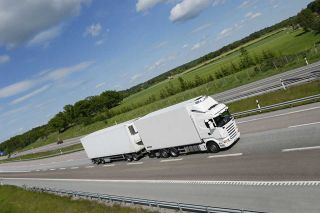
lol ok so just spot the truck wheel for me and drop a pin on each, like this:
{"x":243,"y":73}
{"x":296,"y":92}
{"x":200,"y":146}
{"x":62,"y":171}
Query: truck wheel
{"x":102,"y":161}
{"x":151,"y":155}
{"x":165,"y":153}
{"x":213,"y":147}
{"x":129,"y":158}
{"x":135,"y":157}
{"x":174,"y":152}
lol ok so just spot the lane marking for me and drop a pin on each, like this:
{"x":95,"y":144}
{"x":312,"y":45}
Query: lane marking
{"x":227,"y":155}
{"x":52,"y":169}
{"x":304,"y":124}
{"x":75,"y":167}
{"x":300,"y":149}
{"x":15,"y":171}
{"x":62,"y":168}
{"x":135,"y":163}
{"x":38,"y":170}
{"x":109,"y":165}
{"x":88,"y":167}
{"x":201,"y":182}
{"x":170,"y":160}
{"x":282,"y":114}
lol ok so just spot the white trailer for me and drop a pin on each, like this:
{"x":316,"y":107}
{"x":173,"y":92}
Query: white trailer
{"x":118,"y":142}
{"x":196,"y":125}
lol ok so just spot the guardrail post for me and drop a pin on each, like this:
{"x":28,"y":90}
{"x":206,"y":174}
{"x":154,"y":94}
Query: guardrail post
{"x":258,"y":105}
{"x":283,"y":85}
{"x":60,"y":152}
{"x":307,"y":63}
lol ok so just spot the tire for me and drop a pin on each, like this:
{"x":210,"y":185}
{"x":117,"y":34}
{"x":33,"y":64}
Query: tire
{"x":135,"y":157}
{"x":151,"y":155}
{"x":174,"y":152}
{"x":213,"y":147}
{"x":129,"y":158}
{"x":164,"y":153}
{"x":102,"y":161}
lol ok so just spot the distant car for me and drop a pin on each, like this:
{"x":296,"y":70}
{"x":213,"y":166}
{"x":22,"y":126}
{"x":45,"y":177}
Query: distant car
{"x":60,"y":142}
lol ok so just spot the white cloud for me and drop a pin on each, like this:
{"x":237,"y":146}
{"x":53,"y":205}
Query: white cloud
{"x":100,"y":42}
{"x":16,"y":88}
{"x":23,"y":20}
{"x":4,"y":59}
{"x":65,"y":71}
{"x":93,"y":30}
{"x":31,"y":94}
{"x":185,"y":46}
{"x":226,"y":31}
{"x":46,"y":36}
{"x":251,"y":15}
{"x":161,"y":44}
{"x":100,"y":85}
{"x":201,"y":28}
{"x":188,"y":9}
{"x":144,"y":5}
{"x":161,"y":62}
{"x":198,"y":45}
{"x":247,"y":3}
{"x":135,"y":77}
{"x":44,"y":76}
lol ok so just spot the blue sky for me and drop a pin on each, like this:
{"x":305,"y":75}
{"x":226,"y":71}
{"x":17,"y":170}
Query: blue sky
{"x":56,"y":52}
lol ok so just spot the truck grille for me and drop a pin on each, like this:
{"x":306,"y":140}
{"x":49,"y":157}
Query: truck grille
{"x":231,"y":130}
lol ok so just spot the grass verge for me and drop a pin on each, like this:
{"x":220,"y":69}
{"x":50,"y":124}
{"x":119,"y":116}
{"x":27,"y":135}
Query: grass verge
{"x":51,"y":153}
{"x":14,"y":199}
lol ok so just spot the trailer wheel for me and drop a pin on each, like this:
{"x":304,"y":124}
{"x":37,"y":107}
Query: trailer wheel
{"x":174,"y":152}
{"x":165,"y":153}
{"x":213,"y":147}
{"x":151,"y":155}
{"x":102,"y":161}
{"x":135,"y":157}
{"x":129,"y":158}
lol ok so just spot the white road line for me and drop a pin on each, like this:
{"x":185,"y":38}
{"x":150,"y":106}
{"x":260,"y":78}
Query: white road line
{"x":300,"y":149}
{"x":75,"y":167}
{"x":135,"y":163}
{"x":62,"y":168}
{"x":227,"y":155}
{"x":304,"y":124}
{"x":14,"y":172}
{"x":201,"y":182}
{"x":282,"y":114}
{"x":88,"y":167}
{"x":38,"y":170}
{"x":109,"y":165}
{"x":52,"y":169}
{"x":170,"y":160}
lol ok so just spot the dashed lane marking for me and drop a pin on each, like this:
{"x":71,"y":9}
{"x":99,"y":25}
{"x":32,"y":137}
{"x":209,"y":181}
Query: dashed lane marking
{"x":300,"y":149}
{"x":227,"y":155}
{"x":62,"y":168}
{"x":201,"y":182}
{"x":135,"y":163}
{"x":75,"y":167}
{"x":108,"y":165}
{"x":52,"y":169}
{"x":304,"y":125}
{"x":170,"y":160}
{"x":88,"y":167}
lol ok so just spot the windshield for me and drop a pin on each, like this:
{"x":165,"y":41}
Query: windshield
{"x":222,"y":119}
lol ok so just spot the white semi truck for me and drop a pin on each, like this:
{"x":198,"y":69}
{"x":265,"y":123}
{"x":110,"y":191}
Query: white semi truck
{"x":200,"y":124}
{"x":114,"y":143}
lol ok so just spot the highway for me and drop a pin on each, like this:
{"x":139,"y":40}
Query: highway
{"x":274,"y":167}
{"x":254,"y":88}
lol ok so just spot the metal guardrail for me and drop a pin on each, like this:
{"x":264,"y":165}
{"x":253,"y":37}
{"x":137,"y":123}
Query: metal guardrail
{"x":182,"y":207}
{"x":283,"y":83}
{"x":273,"y":106}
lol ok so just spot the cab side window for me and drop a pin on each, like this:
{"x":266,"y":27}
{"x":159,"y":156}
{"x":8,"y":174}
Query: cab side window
{"x":132,"y":130}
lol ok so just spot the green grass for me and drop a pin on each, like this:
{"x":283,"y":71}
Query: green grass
{"x":285,"y":41}
{"x":63,"y":150}
{"x":14,"y":199}
{"x":291,"y":93}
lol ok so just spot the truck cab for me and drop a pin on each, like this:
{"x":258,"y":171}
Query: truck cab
{"x":216,"y":126}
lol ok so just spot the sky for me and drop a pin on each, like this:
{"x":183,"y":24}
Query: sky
{"x":57,"y":52}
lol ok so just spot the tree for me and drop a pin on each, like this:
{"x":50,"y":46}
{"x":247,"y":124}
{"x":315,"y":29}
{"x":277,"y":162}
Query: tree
{"x":198,"y":80}
{"x":59,"y":122}
{"x":182,"y":83}
{"x":307,"y":19}
{"x":245,"y":59}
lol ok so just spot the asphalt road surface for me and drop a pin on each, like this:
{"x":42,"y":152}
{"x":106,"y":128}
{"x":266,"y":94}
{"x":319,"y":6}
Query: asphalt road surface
{"x":274,"y":167}
{"x":226,"y":96}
